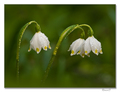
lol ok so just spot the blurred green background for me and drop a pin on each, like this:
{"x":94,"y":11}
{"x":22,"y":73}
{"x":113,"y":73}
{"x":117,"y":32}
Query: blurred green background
{"x":66,"y":71}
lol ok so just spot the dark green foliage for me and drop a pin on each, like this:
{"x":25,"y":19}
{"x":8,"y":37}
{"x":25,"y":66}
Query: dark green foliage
{"x":66,"y":71}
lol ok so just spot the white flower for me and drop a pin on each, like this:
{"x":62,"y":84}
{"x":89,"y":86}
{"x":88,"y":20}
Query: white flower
{"x":93,"y":44}
{"x":39,"y":41}
{"x":76,"y":46}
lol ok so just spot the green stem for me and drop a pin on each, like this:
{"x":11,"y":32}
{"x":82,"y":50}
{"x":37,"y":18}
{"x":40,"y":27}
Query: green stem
{"x":19,"y":42}
{"x":83,"y":33}
{"x":64,"y":34}
{"x":91,"y":31}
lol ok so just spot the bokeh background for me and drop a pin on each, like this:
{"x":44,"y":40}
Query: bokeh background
{"x":66,"y":71}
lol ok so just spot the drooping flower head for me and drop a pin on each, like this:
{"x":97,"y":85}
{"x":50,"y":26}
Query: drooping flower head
{"x":77,"y":46}
{"x":93,"y":44}
{"x":39,"y":41}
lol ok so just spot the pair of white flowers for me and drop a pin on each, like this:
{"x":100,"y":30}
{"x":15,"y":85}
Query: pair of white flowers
{"x":79,"y":46}
{"x":84,"y":47}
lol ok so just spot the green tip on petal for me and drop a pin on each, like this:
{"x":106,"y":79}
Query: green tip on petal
{"x":101,"y":52}
{"x":78,"y":52}
{"x":29,"y":50}
{"x":49,"y":46}
{"x":37,"y":50}
{"x":72,"y":52}
{"x":86,"y":52}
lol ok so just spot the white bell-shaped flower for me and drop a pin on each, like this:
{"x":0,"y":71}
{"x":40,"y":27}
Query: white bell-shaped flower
{"x":93,"y":44}
{"x":39,"y":41}
{"x":76,"y":46}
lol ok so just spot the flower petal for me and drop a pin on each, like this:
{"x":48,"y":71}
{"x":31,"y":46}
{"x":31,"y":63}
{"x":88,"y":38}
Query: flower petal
{"x":82,"y":53}
{"x":42,"y":43}
{"x":71,"y":46}
{"x":34,"y":42}
{"x":29,"y":49}
{"x":76,"y":46}
{"x":87,"y":47}
{"x":100,"y":49}
{"x":49,"y":46}
{"x":46,"y":40}
{"x":95,"y":45}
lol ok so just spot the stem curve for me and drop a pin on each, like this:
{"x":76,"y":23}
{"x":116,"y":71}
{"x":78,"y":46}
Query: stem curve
{"x":64,"y":34}
{"x":91,"y":31}
{"x":19,"y":42}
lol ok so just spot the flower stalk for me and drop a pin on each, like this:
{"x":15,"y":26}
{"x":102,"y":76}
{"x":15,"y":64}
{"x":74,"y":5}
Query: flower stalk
{"x":64,"y":34}
{"x":91,"y":31}
{"x":39,"y":41}
{"x":19,"y":42}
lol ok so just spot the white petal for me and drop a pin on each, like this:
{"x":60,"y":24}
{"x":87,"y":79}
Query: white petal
{"x":43,"y":35}
{"x":81,"y":44}
{"x":95,"y":45}
{"x":100,"y":49}
{"x":81,"y":49}
{"x":87,"y":46}
{"x":76,"y":46}
{"x":34,"y":42}
{"x":43,"y":43}
{"x":29,"y":49}
{"x":82,"y":52}
{"x":45,"y":39}
{"x":71,"y":46}
{"x":49,"y":46}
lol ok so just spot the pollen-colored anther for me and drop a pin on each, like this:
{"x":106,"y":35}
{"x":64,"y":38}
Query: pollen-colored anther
{"x":45,"y":47}
{"x":96,"y":51}
{"x":72,"y":52}
{"x":86,"y":52}
{"x":37,"y":50}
